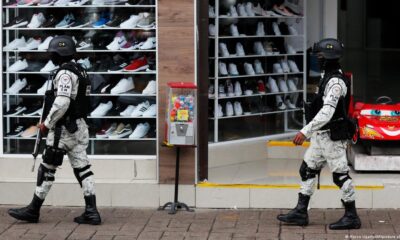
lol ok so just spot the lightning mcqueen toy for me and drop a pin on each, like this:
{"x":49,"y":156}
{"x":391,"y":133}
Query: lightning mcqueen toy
{"x":377,"y":123}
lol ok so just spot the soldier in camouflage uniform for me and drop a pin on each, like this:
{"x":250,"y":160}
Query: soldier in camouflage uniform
{"x":328,"y":110}
{"x":67,"y":104}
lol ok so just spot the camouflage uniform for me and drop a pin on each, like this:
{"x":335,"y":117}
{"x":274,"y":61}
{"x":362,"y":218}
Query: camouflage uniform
{"x":323,"y":150}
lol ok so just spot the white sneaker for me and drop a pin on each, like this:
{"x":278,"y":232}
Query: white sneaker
{"x":282,"y":85}
{"x":223,"y":50}
{"x":49,"y":67}
{"x":271,"y":84}
{"x":248,"y":68}
{"x":291,"y":84}
{"x":18,"y":66}
{"x":275,"y":27}
{"x":229,"y":88}
{"x":220,"y":112}
{"x":221,"y":90}
{"x":140,"y":131}
{"x":211,"y":12}
{"x":233,"y":69}
{"x":241,"y":10}
{"x":15,"y":44}
{"x":260,"y":29}
{"x":85,"y":63}
{"x":229,"y":109}
{"x":292,"y":30}
{"x":222,"y":69}
{"x":289,"y":103}
{"x":17,"y":86}
{"x":259,"y":49}
{"x":277,"y":68}
{"x":285,"y":66}
{"x":233,"y":12}
{"x":211,"y":90}
{"x":150,"y":43}
{"x":293,"y":66}
{"x":238,"y":108}
{"x":46,"y":86}
{"x":151,"y":111}
{"x":102,"y":109}
{"x":37,"y":20}
{"x":290,"y":49}
{"x":258,"y":10}
{"x":240,"y":50}
{"x":234,"y":30}
{"x":211,"y":29}
{"x":45,"y":44}
{"x":150,"y":89}
{"x":31,"y":44}
{"x":140,"y":109}
{"x":279,"y":103}
{"x":124,"y":85}
{"x":128,"y":111}
{"x":238,"y":89}
{"x":61,"y":2}
{"x":258,"y":67}
{"x":146,"y":20}
{"x":249,"y":9}
{"x":117,"y":43}
{"x":131,"y":22}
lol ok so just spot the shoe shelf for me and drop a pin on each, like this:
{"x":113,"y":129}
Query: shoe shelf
{"x":259,"y":56}
{"x":277,"y":33}
{"x":256,"y":95}
{"x":255,"y":36}
{"x":82,"y":6}
{"x":92,"y":73}
{"x":78,"y":29}
{"x":107,"y":147}
{"x":258,"y":75}
{"x":259,"y":114}
{"x":87,"y":51}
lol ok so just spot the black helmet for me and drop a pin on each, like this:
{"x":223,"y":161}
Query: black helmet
{"x":62,"y":45}
{"x":329,"y":48}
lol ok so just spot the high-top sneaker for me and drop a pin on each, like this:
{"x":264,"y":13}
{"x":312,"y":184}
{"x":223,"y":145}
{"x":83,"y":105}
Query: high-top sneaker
{"x":30,"y":213}
{"x":350,"y":220}
{"x":91,"y":215}
{"x":298,"y":215}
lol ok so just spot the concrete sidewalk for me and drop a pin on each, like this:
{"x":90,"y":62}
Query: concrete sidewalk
{"x":147,"y":224}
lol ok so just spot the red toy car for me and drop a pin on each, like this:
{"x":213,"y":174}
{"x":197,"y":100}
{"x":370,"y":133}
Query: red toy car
{"x":379,"y":121}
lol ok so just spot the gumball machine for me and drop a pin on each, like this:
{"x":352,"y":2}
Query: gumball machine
{"x":181,"y":114}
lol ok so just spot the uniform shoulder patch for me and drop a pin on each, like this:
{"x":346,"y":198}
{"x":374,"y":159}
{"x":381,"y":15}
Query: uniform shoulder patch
{"x":64,"y":86}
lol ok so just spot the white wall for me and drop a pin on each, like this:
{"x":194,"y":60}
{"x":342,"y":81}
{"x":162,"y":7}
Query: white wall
{"x":322,"y":20}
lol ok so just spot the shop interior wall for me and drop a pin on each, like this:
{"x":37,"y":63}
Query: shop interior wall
{"x":176,"y":63}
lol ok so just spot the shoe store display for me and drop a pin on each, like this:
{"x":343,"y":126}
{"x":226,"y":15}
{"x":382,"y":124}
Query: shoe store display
{"x":137,"y":65}
{"x":131,"y":22}
{"x":211,"y":90}
{"x":15,"y":110}
{"x":150,"y":43}
{"x":45,"y":44}
{"x":211,"y":29}
{"x":85,"y":63}
{"x":259,"y":49}
{"x":49,"y":67}
{"x":276,"y":29}
{"x":248,"y":88}
{"x":229,"y":88}
{"x":233,"y":12}
{"x":211,"y":12}
{"x":241,"y":10}
{"x":17,"y":22}
{"x":118,"y":42}
{"x":277,"y":67}
{"x":223,"y":50}
{"x":146,"y":20}
{"x":46,"y":86}
{"x":221,"y":90}
{"x":223,"y":71}
{"x":260,"y":29}
{"x":233,"y":70}
{"x":18,"y":66}
{"x":150,"y":89}
{"x":285,"y":66}
{"x":121,"y":131}
{"x":249,"y":70}
{"x":124,"y":85}
{"x":240,"y":50}
{"x":17,"y":86}
{"x":234,"y":30}
{"x":33,"y":111}
{"x":140,"y":109}
{"x":293,"y":66}
{"x":219,"y":113}
{"x":272,"y":86}
{"x":106,"y":131}
{"x":260,"y":86}
{"x":249,"y":9}
{"x":18,"y":130}
{"x":280,"y":105}
{"x":238,"y":89}
{"x":238,"y":108}
{"x":229,"y":109}
{"x":15,"y":44}
{"x":67,"y":21}
{"x":258,"y":67}
{"x":37,"y":20}
{"x":31,"y":44}
{"x":102,"y":21}
{"x":102,"y":109}
{"x":151,"y":111}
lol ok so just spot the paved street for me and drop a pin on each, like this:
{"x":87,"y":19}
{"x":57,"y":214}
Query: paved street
{"x":148,"y":224}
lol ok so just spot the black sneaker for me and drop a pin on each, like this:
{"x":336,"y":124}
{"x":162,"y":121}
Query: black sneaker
{"x":18,"y":130}
{"x":17,"y":22}
{"x":80,"y":23}
{"x":283,"y":27}
{"x":104,"y":64}
{"x":33,"y":111}
{"x":115,"y":22}
{"x":119,"y":64}
{"x":15,"y":110}
{"x":51,"y":21}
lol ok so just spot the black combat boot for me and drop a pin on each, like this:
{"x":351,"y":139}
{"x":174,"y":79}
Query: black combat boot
{"x":350,"y":220}
{"x":298,"y":215}
{"x":30,"y":213}
{"x":91,"y":215}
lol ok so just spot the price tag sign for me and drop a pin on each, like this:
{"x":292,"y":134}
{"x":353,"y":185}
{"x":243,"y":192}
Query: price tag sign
{"x":183,"y":115}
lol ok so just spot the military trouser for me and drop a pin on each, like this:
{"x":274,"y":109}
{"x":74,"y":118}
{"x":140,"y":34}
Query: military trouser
{"x":75,"y":144}
{"x":324,"y":151}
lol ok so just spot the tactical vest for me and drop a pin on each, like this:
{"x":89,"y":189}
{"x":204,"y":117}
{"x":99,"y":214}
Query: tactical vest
{"x":78,"y":108}
{"x":342,"y":107}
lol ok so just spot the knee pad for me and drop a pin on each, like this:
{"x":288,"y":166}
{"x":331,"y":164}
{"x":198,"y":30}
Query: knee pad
{"x":340,"y":178}
{"x":307,"y":173}
{"x":44,"y":174}
{"x":82,"y":173}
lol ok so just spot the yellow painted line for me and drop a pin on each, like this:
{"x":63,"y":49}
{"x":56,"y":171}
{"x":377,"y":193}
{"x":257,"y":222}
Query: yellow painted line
{"x":285,"y":144}
{"x":280,"y":186}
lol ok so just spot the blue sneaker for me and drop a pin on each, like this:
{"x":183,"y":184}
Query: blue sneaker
{"x":104,"y":18}
{"x":68,"y":20}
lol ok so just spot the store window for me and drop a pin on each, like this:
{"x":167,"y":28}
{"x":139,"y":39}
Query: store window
{"x":256,"y":68}
{"x":116,"y":42}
